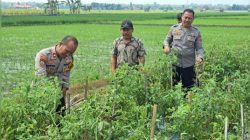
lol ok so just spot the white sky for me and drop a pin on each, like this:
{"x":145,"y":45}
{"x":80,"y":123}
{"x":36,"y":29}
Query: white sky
{"x":177,"y":2}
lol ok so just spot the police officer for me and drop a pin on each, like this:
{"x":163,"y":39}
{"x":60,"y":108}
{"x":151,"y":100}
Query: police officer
{"x":127,"y":49}
{"x":57,"y":61}
{"x":187,"y":43}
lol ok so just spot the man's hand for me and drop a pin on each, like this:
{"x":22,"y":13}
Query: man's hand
{"x":166,"y":49}
{"x":113,"y":63}
{"x":199,"y":61}
{"x":65,"y":91}
{"x":141,"y":60}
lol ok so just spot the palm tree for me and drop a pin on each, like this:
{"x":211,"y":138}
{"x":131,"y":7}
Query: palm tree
{"x":51,"y":7}
{"x":74,"y":6}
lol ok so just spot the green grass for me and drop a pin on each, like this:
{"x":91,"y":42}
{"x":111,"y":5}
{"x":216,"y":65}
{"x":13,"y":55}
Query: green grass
{"x":22,"y":43}
{"x":30,"y":112}
{"x":117,"y":17}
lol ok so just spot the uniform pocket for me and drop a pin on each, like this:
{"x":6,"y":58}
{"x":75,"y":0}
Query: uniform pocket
{"x":177,"y":37}
{"x":191,"y":40}
{"x":121,"y":48}
{"x":51,"y":69}
{"x":131,"y":54}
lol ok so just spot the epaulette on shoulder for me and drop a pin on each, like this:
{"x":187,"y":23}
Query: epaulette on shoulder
{"x":176,"y":25}
{"x":45,"y":51}
{"x":138,"y":41}
{"x":195,"y":28}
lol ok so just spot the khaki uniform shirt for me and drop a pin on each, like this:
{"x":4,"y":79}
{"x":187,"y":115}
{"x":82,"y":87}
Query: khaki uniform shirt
{"x":47,"y":63}
{"x":186,"y":42}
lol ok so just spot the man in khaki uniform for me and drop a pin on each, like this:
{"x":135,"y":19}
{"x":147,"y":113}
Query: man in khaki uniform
{"x":187,"y":43}
{"x":127,"y":49}
{"x":57,"y":61}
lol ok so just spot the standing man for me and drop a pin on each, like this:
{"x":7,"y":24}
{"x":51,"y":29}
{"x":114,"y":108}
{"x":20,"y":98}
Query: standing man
{"x":58,"y":61}
{"x":187,"y":43}
{"x":127,"y":49}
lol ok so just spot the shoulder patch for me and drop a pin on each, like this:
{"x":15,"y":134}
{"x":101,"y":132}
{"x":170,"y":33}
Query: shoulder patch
{"x":70,"y":64}
{"x":43,"y":58}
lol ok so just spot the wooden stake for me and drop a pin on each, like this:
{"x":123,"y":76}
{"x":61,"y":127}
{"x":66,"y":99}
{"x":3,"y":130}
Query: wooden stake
{"x":153,"y":122}
{"x":171,"y":76}
{"x":146,"y":87}
{"x":86,"y":134}
{"x":190,"y":96}
{"x":68,"y":103}
{"x":85,"y":98}
{"x":226,"y":127}
{"x":242,"y":121}
{"x":184,"y":136}
{"x":86,"y":88}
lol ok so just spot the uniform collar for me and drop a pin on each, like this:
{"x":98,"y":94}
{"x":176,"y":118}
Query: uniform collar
{"x":131,"y":39}
{"x":181,"y":26}
{"x":53,"y":53}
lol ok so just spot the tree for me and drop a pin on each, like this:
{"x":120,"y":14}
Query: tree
{"x":221,"y":10}
{"x":51,"y":7}
{"x":86,"y":8}
{"x":131,"y":6}
{"x":147,"y":9}
{"x":74,"y":6}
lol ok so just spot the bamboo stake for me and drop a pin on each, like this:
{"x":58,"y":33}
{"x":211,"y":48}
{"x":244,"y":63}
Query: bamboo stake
{"x":85,"y":98}
{"x":190,"y":97}
{"x":86,"y":134}
{"x":184,"y":136}
{"x":86,"y":88}
{"x":242,"y":121}
{"x":171,"y":75}
{"x":146,"y":87}
{"x":153,"y":122}
{"x":68,"y":101}
{"x":226,"y":127}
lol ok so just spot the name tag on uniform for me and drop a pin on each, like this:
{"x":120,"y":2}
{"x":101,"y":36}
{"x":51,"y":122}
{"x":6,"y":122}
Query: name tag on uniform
{"x":191,"y":38}
{"x":177,"y":37}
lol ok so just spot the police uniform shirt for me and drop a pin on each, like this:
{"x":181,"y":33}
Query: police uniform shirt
{"x":47,"y":63}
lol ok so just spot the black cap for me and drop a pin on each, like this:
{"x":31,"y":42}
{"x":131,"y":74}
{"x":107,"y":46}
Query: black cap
{"x":127,"y":24}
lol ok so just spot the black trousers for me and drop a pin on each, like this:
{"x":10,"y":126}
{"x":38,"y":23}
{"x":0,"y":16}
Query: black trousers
{"x":61,"y":107}
{"x":186,"y":75}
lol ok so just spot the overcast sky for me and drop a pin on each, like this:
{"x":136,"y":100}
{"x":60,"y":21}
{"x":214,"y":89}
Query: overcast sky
{"x":178,"y":2}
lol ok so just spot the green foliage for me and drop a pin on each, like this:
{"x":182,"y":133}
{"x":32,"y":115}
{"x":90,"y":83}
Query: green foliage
{"x":29,"y":110}
{"x":123,"y":109}
{"x":139,"y":18}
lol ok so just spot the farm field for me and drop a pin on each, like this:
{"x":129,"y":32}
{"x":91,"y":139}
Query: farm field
{"x":122,"y":109}
{"x":212,"y":18}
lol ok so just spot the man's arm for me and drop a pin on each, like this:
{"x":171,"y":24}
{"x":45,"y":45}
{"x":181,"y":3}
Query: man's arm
{"x":167,"y":42}
{"x":114,"y":55}
{"x":40,"y":64}
{"x":141,"y":60}
{"x":141,"y":53}
{"x":199,"y":49}
{"x":64,"y":77}
{"x":113,"y":63}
